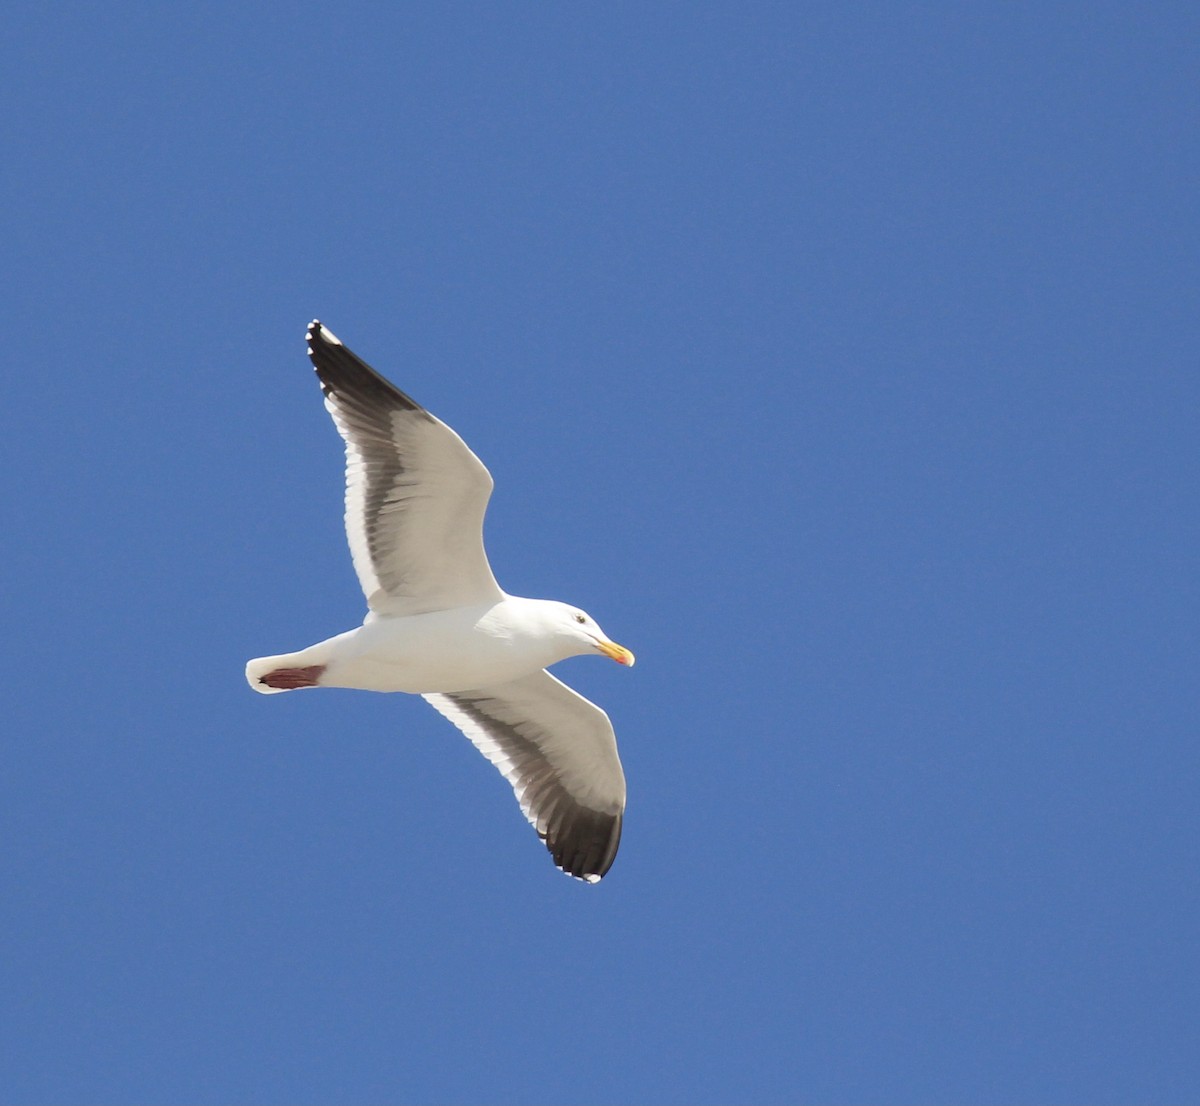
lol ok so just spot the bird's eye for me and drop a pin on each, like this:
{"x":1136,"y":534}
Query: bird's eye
{"x":581,"y":618}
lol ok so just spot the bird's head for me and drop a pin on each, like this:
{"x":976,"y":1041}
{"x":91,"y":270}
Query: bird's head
{"x":579,"y":628}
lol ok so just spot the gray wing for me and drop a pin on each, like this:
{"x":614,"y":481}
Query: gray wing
{"x":559,"y":752}
{"x":415,"y":493}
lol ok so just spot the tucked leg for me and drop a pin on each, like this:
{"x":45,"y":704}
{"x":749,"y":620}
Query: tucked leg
{"x":288,"y":679}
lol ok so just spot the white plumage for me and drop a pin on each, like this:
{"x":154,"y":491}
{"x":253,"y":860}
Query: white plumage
{"x":440,"y":626}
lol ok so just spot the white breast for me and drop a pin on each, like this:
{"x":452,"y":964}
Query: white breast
{"x":442,"y":651}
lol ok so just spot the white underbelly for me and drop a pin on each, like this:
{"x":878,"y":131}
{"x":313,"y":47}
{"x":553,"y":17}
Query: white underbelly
{"x":426,"y":653}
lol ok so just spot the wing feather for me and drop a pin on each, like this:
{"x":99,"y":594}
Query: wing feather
{"x":415,"y":493}
{"x":559,"y":753}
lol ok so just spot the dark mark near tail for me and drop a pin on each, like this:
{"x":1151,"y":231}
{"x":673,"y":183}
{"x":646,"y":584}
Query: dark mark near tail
{"x":287,"y":679}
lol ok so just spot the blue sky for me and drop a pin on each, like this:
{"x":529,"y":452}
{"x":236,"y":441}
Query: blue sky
{"x":841,"y":360}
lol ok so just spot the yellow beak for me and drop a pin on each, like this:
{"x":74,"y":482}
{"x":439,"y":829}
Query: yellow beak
{"x":618,"y":652}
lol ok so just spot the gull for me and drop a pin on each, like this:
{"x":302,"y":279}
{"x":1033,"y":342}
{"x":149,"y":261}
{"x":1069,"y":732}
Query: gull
{"x":439,"y":626}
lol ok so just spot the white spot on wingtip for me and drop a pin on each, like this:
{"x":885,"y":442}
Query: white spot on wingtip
{"x":327,"y":334}
{"x":591,"y":879}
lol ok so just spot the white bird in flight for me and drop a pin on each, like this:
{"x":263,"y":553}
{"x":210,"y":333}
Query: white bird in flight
{"x":439,"y":626}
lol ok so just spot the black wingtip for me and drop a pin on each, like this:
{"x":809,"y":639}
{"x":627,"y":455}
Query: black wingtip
{"x":343,"y":372}
{"x":586,"y":848}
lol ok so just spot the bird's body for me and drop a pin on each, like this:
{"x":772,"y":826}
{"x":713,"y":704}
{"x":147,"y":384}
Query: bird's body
{"x":438,"y":625}
{"x":452,"y":650}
